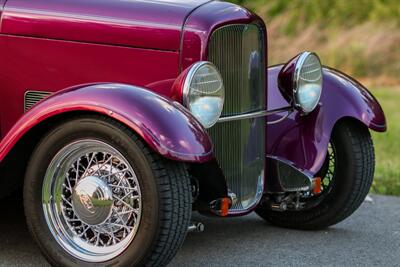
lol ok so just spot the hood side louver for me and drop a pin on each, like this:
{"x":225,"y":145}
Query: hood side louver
{"x":33,"y":97}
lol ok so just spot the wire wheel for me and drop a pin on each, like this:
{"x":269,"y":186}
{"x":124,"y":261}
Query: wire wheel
{"x":92,"y":200}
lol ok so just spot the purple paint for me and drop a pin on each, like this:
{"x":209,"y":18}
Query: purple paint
{"x":303,"y":140}
{"x":167,"y":127}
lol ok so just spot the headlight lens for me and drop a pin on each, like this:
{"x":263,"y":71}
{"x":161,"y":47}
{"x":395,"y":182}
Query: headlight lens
{"x":204,"y":93}
{"x":307,"y":82}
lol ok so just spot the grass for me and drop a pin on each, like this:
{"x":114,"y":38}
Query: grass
{"x":387,"y":145}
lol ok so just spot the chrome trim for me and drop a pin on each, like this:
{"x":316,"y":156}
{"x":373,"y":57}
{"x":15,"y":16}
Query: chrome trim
{"x":188,"y":80}
{"x":257,"y":198}
{"x":257,"y":114}
{"x":296,"y":77}
{"x":238,"y":51}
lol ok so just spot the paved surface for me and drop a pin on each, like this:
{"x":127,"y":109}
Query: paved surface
{"x":371,"y":237}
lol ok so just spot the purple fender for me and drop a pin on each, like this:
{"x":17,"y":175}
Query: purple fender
{"x":166,"y":126}
{"x":303,"y":140}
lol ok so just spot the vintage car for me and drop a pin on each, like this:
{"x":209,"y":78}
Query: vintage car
{"x":119,"y":118}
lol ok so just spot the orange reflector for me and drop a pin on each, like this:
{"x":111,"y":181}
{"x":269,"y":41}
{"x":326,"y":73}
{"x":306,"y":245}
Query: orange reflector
{"x":225,"y":205}
{"x":221,"y":206}
{"x":317,"y":185}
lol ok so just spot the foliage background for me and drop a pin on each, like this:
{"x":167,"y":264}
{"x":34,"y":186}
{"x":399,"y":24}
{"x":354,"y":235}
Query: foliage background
{"x":359,"y":37}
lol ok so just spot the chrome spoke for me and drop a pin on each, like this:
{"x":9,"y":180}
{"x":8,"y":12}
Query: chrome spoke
{"x":123,"y":202}
{"x":122,"y":187}
{"x":84,"y":231}
{"x":66,"y":200}
{"x":69,"y":183}
{"x":89,"y":164}
{"x":77,"y":170}
{"x":104,"y":164}
{"x":114,"y":173}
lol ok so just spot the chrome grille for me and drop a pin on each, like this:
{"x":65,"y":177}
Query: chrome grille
{"x":238,"y":52}
{"x":239,"y":146}
{"x":33,"y":97}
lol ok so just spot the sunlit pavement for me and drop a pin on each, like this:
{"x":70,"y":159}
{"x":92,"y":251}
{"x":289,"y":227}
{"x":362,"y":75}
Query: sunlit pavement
{"x":370,"y":237}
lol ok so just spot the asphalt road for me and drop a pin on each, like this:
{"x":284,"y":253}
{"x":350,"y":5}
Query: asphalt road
{"x":371,"y":237}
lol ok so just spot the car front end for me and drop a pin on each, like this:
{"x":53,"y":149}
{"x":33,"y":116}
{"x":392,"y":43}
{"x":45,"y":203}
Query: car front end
{"x":234,"y":43}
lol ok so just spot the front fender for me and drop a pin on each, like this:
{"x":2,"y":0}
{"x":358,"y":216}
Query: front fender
{"x":166,"y":126}
{"x":303,"y":140}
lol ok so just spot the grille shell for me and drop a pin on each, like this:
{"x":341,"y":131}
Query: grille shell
{"x":238,"y":51}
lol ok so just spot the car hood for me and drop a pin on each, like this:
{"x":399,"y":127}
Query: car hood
{"x":155,"y":24}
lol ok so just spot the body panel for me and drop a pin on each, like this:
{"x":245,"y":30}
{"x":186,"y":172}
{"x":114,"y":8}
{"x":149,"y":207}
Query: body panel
{"x":165,"y":126}
{"x":155,"y":24}
{"x":65,"y":64}
{"x":303,"y":140}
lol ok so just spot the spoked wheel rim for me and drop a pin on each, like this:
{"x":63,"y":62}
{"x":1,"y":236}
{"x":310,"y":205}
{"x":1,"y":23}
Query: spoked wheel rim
{"x":327,"y":174}
{"x":328,"y":171}
{"x":92,"y":200}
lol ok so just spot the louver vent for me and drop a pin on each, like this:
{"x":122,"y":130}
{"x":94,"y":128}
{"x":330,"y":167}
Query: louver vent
{"x":33,"y":97}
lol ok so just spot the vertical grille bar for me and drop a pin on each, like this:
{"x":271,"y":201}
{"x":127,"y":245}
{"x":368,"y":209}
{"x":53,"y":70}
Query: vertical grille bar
{"x":238,"y":52}
{"x":239,"y":146}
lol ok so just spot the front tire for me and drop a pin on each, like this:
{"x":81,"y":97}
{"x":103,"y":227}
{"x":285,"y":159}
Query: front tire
{"x":350,"y":182}
{"x":95,"y":195}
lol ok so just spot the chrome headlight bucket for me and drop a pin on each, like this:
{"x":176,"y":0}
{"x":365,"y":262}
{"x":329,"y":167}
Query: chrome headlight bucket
{"x":204,"y":93}
{"x":300,"y":81}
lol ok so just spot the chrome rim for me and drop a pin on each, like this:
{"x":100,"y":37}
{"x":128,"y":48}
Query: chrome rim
{"x":91,"y":200}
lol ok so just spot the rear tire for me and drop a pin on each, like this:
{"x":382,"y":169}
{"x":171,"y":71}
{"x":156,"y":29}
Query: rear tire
{"x":165,"y":196}
{"x":352,"y":179}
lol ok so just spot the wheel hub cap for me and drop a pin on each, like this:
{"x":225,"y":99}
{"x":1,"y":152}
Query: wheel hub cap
{"x":92,"y":200}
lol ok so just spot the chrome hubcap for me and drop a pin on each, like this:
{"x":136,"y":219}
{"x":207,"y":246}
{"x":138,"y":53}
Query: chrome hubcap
{"x":92,"y":200}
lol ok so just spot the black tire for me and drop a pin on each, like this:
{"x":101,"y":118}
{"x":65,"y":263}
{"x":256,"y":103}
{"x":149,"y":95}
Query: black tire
{"x":165,"y":187}
{"x":352,"y":179}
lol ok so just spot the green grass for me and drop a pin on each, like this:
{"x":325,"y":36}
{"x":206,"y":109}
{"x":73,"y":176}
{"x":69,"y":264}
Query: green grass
{"x":387,"y":145}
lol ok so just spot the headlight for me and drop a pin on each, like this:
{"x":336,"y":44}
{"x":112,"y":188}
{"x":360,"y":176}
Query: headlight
{"x":204,"y":93}
{"x":300,"y":81}
{"x":308,"y":82}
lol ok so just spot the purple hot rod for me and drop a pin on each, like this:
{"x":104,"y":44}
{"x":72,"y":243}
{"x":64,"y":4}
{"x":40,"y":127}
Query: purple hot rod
{"x":119,"y":118}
